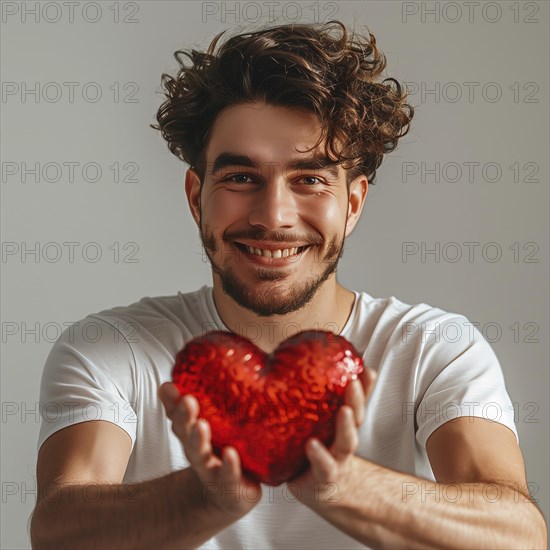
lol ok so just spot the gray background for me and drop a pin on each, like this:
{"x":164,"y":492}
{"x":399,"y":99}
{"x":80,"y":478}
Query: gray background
{"x":492,"y":48}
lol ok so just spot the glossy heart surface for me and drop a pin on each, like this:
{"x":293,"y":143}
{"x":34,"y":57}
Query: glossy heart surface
{"x":268,"y":405}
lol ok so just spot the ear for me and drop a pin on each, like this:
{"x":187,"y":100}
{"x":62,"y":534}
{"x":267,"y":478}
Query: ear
{"x":356,"y":199}
{"x":193,"y":192}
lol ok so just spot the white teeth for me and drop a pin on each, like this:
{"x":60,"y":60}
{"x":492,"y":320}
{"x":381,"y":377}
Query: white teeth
{"x":272,"y":253}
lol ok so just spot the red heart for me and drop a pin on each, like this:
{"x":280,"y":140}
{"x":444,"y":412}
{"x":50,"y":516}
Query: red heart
{"x":268,"y":405}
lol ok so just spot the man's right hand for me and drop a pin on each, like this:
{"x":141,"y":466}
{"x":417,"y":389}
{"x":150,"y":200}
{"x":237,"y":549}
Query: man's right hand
{"x":223,"y":483}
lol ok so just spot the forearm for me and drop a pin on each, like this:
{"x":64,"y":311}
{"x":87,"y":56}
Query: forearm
{"x":383,"y":508}
{"x":167,"y":512}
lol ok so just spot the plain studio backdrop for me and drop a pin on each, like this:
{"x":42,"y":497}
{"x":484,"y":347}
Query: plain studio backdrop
{"x":94,"y":213}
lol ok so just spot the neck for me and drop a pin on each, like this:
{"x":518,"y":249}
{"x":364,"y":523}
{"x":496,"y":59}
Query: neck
{"x":329,"y":309}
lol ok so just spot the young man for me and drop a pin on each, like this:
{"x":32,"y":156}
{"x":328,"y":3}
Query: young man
{"x":283,"y":130}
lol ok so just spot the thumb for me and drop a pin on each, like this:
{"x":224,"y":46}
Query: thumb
{"x":368,"y":378}
{"x":168,"y":393}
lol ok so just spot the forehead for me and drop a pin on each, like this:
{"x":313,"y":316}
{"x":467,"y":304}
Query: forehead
{"x":265,"y":132}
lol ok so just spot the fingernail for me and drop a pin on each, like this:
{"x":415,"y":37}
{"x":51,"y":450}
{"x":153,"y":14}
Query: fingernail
{"x":315,"y":445}
{"x":226,"y":456}
{"x":172,"y":391}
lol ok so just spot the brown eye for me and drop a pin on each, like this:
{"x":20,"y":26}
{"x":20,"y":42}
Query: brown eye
{"x":312,"y":178}
{"x":230,"y":178}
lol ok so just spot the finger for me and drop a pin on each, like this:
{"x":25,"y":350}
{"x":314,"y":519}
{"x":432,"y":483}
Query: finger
{"x":231,"y":472}
{"x":198,"y":447}
{"x":231,"y":465}
{"x":346,"y":438}
{"x":185,"y":416}
{"x":373,"y":376}
{"x":368,"y":379}
{"x":169,"y":394}
{"x":323,"y":465}
{"x":355,"y":398}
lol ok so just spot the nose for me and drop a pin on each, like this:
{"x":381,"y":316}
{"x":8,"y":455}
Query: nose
{"x":274,"y":205}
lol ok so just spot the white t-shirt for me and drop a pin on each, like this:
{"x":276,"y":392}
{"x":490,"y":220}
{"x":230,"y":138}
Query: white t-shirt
{"x":432,"y":366}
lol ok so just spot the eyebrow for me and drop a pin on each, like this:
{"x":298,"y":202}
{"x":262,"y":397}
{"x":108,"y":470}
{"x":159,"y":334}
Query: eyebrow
{"x":313,"y":162}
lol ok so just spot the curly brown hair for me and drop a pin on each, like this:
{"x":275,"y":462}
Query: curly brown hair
{"x":293,"y":65}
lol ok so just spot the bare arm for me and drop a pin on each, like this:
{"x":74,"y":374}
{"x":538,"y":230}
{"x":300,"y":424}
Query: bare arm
{"x":388,"y":509}
{"x":480,"y":499}
{"x":167,"y":512}
{"x":82,"y":504}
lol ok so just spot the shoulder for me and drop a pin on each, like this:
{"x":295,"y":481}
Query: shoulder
{"x":116,"y":337}
{"x":157,"y":318}
{"x":395,"y":322}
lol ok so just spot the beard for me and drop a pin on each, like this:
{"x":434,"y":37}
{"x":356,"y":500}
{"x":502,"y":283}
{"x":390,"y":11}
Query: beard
{"x":270,"y":300}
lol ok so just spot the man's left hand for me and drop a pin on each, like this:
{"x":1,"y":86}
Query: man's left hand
{"x":331,"y":471}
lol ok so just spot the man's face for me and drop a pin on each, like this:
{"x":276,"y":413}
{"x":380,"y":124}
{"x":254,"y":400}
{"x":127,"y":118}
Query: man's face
{"x":263,"y":203}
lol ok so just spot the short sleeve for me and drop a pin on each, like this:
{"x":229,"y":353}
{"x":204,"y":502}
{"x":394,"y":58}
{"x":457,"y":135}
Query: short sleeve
{"x":88,"y":376}
{"x":463,"y":377}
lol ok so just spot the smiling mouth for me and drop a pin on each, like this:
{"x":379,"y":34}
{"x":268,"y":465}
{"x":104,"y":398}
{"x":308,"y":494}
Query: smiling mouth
{"x":282,"y":253}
